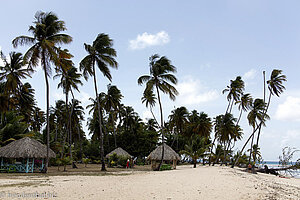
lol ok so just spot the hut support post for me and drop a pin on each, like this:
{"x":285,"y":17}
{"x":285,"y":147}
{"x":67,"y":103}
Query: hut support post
{"x":32,"y":165}
{"x":1,"y":162}
{"x":27,"y":165}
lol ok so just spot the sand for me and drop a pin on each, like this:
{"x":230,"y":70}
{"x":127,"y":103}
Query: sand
{"x":185,"y":182}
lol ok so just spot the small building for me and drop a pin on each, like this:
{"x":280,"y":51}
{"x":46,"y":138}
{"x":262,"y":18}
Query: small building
{"x":28,"y":155}
{"x":169,"y":155}
{"x":120,"y":152}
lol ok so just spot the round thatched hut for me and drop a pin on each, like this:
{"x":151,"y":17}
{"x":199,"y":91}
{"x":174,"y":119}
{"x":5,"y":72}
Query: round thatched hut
{"x":169,"y":155}
{"x":120,"y":152}
{"x":26,"y":150}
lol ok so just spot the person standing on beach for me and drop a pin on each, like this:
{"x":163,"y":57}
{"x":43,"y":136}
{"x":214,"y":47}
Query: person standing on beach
{"x":127,"y":164}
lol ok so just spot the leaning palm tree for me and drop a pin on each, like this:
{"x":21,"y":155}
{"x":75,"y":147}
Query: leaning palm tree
{"x":160,"y":79}
{"x":235,"y":90}
{"x":47,"y":36}
{"x":244,"y":104}
{"x":100,"y":53}
{"x":276,"y":87}
{"x":149,"y":99}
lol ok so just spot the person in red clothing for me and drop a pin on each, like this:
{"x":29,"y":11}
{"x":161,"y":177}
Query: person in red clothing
{"x":127,"y":164}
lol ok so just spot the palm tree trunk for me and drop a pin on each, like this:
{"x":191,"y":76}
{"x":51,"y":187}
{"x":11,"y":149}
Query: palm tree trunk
{"x":238,"y":121}
{"x":100,"y":122}
{"x":212,"y":146}
{"x":162,"y":129}
{"x":238,"y":157}
{"x":251,"y":147}
{"x":47,"y":112}
{"x":115,"y":138}
{"x":80,"y":142}
{"x":228,"y":106}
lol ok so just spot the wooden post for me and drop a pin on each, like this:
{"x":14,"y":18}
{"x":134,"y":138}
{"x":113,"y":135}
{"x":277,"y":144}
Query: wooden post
{"x":27,"y":165}
{"x":2,"y":162}
{"x":32,"y":165}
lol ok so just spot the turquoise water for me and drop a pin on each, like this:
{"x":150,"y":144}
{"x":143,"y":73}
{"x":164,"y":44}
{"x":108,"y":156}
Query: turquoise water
{"x":275,"y":164}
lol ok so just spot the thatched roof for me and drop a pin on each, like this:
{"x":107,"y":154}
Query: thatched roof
{"x":25,"y":148}
{"x":119,"y":151}
{"x":169,"y":153}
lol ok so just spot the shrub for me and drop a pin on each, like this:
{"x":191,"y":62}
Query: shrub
{"x":165,"y":167}
{"x":86,"y":161}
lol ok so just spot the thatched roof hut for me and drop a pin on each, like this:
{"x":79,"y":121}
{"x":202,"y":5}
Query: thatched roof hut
{"x":25,"y":148}
{"x":169,"y":154}
{"x":119,"y":151}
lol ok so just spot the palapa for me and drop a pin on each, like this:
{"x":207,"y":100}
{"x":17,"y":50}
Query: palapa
{"x":25,"y":148}
{"x":119,"y":151}
{"x":169,"y":154}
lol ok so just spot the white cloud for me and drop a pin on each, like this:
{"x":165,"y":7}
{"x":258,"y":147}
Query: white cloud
{"x":290,"y":137}
{"x":250,"y":74}
{"x":146,"y":40}
{"x":193,"y":92}
{"x":289,"y":110}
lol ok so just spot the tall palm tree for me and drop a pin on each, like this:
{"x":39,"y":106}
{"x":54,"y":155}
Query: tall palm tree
{"x":235,"y":89}
{"x":47,"y":36}
{"x":177,"y":120}
{"x":160,"y":79}
{"x":69,"y":81}
{"x":112,"y":105}
{"x":100,"y":53}
{"x":276,"y":87}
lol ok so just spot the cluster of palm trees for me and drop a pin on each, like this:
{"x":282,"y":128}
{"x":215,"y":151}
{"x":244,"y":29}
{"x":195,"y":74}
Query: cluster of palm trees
{"x":111,"y":121}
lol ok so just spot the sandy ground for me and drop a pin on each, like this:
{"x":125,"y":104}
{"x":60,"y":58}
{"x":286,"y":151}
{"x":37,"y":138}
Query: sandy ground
{"x":183,"y":183}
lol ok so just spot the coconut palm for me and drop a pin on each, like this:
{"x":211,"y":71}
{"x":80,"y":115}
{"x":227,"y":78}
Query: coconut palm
{"x":100,"y":53}
{"x":178,"y":120}
{"x":160,"y":79}
{"x":149,"y":99}
{"x":69,"y":81}
{"x":196,"y":148}
{"x":235,"y":89}
{"x":244,"y":104}
{"x":12,"y":72}
{"x":47,"y":35}
{"x":276,"y":87}
{"x":112,"y":105}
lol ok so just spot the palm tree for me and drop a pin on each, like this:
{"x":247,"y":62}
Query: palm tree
{"x":69,"y":81}
{"x":235,"y":89}
{"x":149,"y":99}
{"x":196,"y":148}
{"x":102,"y":54}
{"x":112,"y":104}
{"x":276,"y":87}
{"x":160,"y":79}
{"x":244,"y":104}
{"x":46,"y":36}
{"x":12,"y":72}
{"x":178,"y":119}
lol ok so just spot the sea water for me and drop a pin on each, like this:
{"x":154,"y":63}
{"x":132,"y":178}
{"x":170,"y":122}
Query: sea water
{"x":275,"y":164}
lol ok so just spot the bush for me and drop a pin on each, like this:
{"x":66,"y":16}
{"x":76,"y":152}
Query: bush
{"x":122,"y":160}
{"x":165,"y":167}
{"x":86,"y":161}
{"x":115,"y":160}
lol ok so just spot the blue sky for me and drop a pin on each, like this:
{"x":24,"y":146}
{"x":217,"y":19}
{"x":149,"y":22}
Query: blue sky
{"x":210,"y":42}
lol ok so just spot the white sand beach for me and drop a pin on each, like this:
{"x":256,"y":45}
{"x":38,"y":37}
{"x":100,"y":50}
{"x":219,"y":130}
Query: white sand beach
{"x":183,"y":183}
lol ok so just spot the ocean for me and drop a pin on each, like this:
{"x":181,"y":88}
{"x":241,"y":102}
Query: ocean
{"x":275,"y":164}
